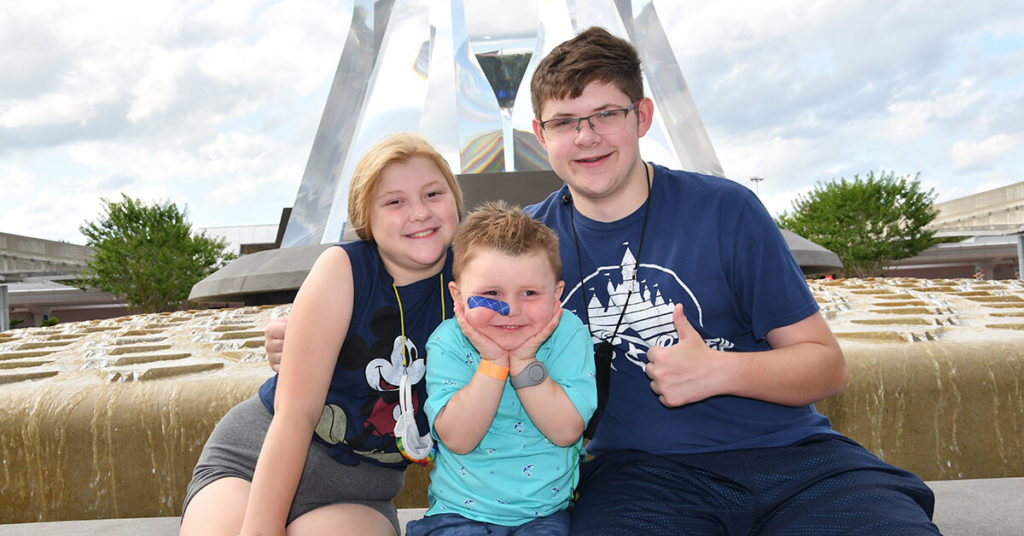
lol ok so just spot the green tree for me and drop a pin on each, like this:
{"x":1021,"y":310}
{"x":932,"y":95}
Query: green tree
{"x":868,"y":222}
{"x":147,"y":255}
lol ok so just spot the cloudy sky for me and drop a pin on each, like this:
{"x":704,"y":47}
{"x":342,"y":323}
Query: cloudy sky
{"x":214,"y":105}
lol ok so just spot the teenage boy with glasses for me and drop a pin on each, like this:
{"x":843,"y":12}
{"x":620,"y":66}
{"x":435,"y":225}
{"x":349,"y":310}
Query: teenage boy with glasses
{"x":712,"y":345}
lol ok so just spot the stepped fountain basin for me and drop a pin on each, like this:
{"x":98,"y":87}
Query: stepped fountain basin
{"x":106,"y":419}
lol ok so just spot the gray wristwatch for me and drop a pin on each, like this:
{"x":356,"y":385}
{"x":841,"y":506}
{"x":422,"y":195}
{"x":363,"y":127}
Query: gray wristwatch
{"x":533,"y":374}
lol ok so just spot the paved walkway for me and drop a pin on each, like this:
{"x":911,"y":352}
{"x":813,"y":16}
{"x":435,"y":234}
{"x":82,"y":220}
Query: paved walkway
{"x":982,"y":507}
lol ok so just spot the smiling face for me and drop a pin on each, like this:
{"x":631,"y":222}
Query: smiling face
{"x":527,"y":283}
{"x":414,"y":217}
{"x":604,"y":172}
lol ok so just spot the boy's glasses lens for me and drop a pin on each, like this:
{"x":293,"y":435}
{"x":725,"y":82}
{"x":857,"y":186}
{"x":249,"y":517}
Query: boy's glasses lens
{"x":602,"y":123}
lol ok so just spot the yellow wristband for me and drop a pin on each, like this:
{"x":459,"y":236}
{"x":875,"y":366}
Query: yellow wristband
{"x":497,"y":372}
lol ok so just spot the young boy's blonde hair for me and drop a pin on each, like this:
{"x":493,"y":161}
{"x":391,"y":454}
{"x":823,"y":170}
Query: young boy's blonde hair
{"x":507,"y":229}
{"x":595,"y":55}
{"x":395,"y":149}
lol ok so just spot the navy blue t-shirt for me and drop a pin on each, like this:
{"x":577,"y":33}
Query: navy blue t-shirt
{"x":358,"y":421}
{"x":711,"y":246}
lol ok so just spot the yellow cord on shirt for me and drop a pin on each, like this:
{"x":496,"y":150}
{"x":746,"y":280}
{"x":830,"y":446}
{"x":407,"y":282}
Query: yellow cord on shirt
{"x":401,"y":315}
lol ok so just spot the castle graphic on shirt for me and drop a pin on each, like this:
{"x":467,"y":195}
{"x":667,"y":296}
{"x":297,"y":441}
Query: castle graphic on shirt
{"x":648,"y":308}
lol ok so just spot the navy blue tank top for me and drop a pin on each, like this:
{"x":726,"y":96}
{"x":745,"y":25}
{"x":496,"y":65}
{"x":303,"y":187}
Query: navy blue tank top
{"x":358,"y":420}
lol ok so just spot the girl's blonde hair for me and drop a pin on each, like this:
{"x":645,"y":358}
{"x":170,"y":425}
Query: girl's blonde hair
{"x":395,"y":149}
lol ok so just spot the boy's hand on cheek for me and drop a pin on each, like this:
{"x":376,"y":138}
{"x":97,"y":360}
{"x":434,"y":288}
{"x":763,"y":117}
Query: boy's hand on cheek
{"x":526,"y":353}
{"x":484,"y":345}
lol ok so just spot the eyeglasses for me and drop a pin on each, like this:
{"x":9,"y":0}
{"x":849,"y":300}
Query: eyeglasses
{"x":603,"y":122}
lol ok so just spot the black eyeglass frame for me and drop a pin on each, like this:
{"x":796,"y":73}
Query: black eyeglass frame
{"x":589,"y":118}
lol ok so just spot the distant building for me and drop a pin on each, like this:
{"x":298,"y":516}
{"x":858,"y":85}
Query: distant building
{"x":34,"y":276}
{"x":37,"y":299}
{"x":245,"y":239}
{"x":991,"y":246}
{"x":31,"y":290}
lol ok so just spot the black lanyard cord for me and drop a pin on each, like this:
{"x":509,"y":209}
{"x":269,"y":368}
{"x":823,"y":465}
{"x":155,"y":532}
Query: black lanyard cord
{"x":605,"y":350}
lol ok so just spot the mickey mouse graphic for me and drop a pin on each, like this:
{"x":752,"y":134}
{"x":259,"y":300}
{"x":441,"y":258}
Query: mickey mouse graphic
{"x":385,"y":375}
{"x":369,"y":428}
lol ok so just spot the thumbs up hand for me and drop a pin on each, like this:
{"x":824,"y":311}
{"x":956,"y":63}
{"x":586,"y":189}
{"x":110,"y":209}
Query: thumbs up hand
{"x":687,"y":371}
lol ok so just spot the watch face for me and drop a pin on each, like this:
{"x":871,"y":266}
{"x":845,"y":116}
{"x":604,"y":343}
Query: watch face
{"x":533,"y":374}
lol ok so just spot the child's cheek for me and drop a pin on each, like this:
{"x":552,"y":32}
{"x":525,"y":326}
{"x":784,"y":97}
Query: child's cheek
{"x":479,"y":317}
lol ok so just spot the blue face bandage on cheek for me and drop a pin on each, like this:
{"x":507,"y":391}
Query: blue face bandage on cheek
{"x":497,"y":306}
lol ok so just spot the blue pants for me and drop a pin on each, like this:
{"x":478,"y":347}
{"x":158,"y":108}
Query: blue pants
{"x":556,"y":524}
{"x":824,"y":485}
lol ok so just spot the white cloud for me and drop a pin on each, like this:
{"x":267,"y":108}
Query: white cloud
{"x":15,"y":178}
{"x":46,"y":110}
{"x":913,"y":118}
{"x":48,"y":207}
{"x":247,"y":164}
{"x":908,"y":120}
{"x":968,"y":155}
{"x":281,"y":48}
{"x":787,"y":164}
{"x":712,"y":29}
{"x":90,"y":54}
{"x":157,"y":87}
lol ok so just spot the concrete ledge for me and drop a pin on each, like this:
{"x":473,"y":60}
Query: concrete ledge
{"x":979,"y":507}
{"x":154,"y":526}
{"x":150,"y":526}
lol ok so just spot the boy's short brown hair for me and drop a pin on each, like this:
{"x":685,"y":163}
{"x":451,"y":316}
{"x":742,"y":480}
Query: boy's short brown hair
{"x":395,"y":149}
{"x":507,"y":229}
{"x":595,"y":55}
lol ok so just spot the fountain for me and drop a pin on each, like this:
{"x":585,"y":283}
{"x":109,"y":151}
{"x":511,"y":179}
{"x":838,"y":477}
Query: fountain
{"x":937,"y":370}
{"x":106,"y":419}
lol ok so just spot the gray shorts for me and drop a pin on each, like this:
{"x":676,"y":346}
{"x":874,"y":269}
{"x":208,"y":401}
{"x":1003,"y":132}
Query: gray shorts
{"x":234,"y":446}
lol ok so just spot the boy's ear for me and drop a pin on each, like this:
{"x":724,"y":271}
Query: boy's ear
{"x":537,"y":131}
{"x":559,"y":288}
{"x":645,"y":113}
{"x":453,"y":289}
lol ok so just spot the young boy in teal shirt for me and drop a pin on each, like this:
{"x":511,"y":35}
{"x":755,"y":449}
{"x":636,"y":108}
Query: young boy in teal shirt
{"x":510,"y":384}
